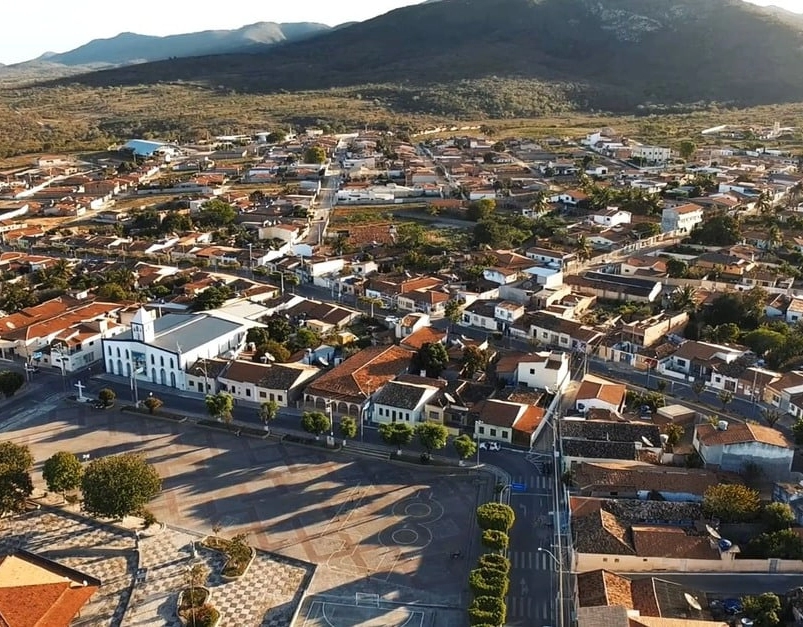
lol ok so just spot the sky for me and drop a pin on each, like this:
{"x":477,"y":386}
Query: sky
{"x":68,"y":25}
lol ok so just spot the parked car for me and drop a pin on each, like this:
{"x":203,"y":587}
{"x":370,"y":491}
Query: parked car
{"x":490,"y":446}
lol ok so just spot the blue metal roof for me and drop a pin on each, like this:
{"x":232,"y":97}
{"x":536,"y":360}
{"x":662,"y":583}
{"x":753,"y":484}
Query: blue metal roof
{"x":143,"y":146}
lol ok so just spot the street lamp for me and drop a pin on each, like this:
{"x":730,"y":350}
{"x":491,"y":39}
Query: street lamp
{"x":250,"y":260}
{"x":331,"y":418}
{"x":477,"y":424}
{"x":135,"y":365}
{"x":60,"y":348}
{"x":203,"y":370}
{"x":559,"y":568}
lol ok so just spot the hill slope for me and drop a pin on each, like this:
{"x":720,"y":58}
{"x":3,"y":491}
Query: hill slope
{"x":613,"y":54}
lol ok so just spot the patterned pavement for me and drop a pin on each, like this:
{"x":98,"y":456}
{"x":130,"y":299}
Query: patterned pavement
{"x":266,"y":596}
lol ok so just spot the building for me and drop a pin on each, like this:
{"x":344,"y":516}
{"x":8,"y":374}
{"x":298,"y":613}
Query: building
{"x":548,"y":370}
{"x":596,"y":393}
{"x":618,"y":286}
{"x":507,"y":422}
{"x":403,"y":401}
{"x":681,"y":219}
{"x":348,"y":387}
{"x":651,"y":154}
{"x":38,"y":591}
{"x":732,"y":445}
{"x":570,"y":335}
{"x":260,"y":383}
{"x":697,"y":360}
{"x":160,"y":350}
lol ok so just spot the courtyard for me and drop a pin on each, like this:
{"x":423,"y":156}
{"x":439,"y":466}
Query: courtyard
{"x":382,"y":535}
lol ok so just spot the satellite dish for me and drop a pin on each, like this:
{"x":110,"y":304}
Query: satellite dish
{"x":449,"y":397}
{"x":713,"y":532}
{"x":646,"y":441}
{"x":693,"y":603}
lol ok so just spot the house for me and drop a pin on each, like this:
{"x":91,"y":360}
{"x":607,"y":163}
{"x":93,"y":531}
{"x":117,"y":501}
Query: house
{"x":481,"y":313}
{"x":507,"y":422}
{"x":786,"y":391}
{"x":620,"y":541}
{"x":403,"y":401}
{"x":732,"y":265}
{"x":551,"y":330}
{"x":507,"y":312}
{"x":681,"y":219}
{"x":348,"y":387}
{"x":792,"y":495}
{"x":597,"y":393}
{"x":40,"y":591}
{"x":605,"y":440}
{"x":651,"y":154}
{"x":429,"y":301}
{"x":572,"y":197}
{"x":731,"y":445}
{"x":159,"y":350}
{"x":696,"y":360}
{"x":643,"y":598}
{"x":794,"y":310}
{"x":643,"y":265}
{"x":547,"y":370}
{"x":259,"y":383}
{"x":611,"y":217}
{"x":548,"y":256}
{"x":617,"y":286}
{"x":649,"y":331}
{"x":639,"y":480}
{"x":411,"y":323}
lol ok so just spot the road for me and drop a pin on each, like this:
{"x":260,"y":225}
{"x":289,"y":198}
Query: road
{"x":324,"y":203}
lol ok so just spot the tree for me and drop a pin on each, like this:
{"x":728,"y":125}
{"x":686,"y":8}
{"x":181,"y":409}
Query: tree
{"x":212,"y":297}
{"x":783,"y":544}
{"x":698,"y":387}
{"x":583,"y":248}
{"x":411,"y":235}
{"x":220,"y":406}
{"x":315,"y":422}
{"x":676,"y":268}
{"x":276,"y":350}
{"x":686,"y":149}
{"x":778,"y":516}
{"x":726,"y":333}
{"x":495,"y":516}
{"x":152,"y":403}
{"x":474,"y":360}
{"x":396,"y":434}
{"x":465,"y":446}
{"x":731,"y":502}
{"x":674,"y":433}
{"x":268,"y":411}
{"x":725,"y":397}
{"x":107,"y":396}
{"x":16,"y":462}
{"x":453,"y":311}
{"x":764,"y":340}
{"x":15,"y":296}
{"x":306,"y":338}
{"x":495,"y":540}
{"x":770,"y":415}
{"x":797,"y":431}
{"x":481,"y":209}
{"x":764,"y":609}
{"x":314,"y":154}
{"x":114,"y":487}
{"x":432,"y":435}
{"x":256,"y":336}
{"x":432,"y":357}
{"x":487,"y":610}
{"x":718,"y":231}
{"x":62,"y":472}
{"x":347,"y":428}
{"x":494,"y":561}
{"x":216,"y":213}
{"x":10,"y":382}
{"x":279,"y":329}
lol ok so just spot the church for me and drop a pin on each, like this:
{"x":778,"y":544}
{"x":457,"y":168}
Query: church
{"x":160,"y":349}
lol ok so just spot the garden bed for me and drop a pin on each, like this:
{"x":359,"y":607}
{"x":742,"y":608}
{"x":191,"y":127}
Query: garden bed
{"x":239,"y":555}
{"x":164,"y":415}
{"x":188,"y":598}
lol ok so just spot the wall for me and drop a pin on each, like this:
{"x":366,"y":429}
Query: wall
{"x":584,"y":562}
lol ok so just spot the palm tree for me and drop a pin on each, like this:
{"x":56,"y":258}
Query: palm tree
{"x":583,"y":248}
{"x":684,"y":298}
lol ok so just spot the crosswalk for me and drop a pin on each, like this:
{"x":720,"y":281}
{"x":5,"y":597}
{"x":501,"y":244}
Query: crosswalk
{"x":530,"y":560}
{"x":535,"y":482}
{"x":527,"y":608}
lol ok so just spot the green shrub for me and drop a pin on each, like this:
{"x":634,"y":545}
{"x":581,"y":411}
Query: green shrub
{"x":495,"y":540}
{"x":494,"y":561}
{"x":204,"y":616}
{"x":488,"y":582}
{"x":495,"y":516}
{"x":487,"y":610}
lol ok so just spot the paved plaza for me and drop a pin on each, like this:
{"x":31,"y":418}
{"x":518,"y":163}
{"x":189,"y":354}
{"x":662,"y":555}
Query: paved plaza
{"x":382,"y":534}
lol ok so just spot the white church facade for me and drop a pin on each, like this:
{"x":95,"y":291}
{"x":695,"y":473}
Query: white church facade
{"x":159,"y":350}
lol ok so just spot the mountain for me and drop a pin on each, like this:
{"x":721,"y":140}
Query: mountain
{"x":613,"y":54}
{"x":127,"y":48}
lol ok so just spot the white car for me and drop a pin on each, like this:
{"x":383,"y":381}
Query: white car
{"x":490,"y":446}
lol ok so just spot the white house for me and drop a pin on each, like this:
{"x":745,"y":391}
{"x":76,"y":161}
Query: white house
{"x":260,"y":383}
{"x":507,"y":422}
{"x":651,"y":154}
{"x":794,"y":311}
{"x":612,"y":216}
{"x":288,"y":233}
{"x":682,"y":218}
{"x":597,"y":393}
{"x":411,"y":323}
{"x":401,"y":401}
{"x":159,"y":350}
{"x":730,"y":446}
{"x":547,"y":370}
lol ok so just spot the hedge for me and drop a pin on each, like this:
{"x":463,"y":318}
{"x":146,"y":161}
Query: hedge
{"x":488,"y":582}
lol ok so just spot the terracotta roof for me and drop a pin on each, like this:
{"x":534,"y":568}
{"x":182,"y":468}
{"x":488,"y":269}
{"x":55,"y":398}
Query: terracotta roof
{"x":612,"y":393}
{"x":672,"y":543}
{"x":499,"y":413}
{"x":362,"y":374}
{"x":424,"y":335}
{"x":657,"y":621}
{"x":269,"y":376}
{"x":37,"y":592}
{"x":602,"y":587}
{"x":739,"y":433}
